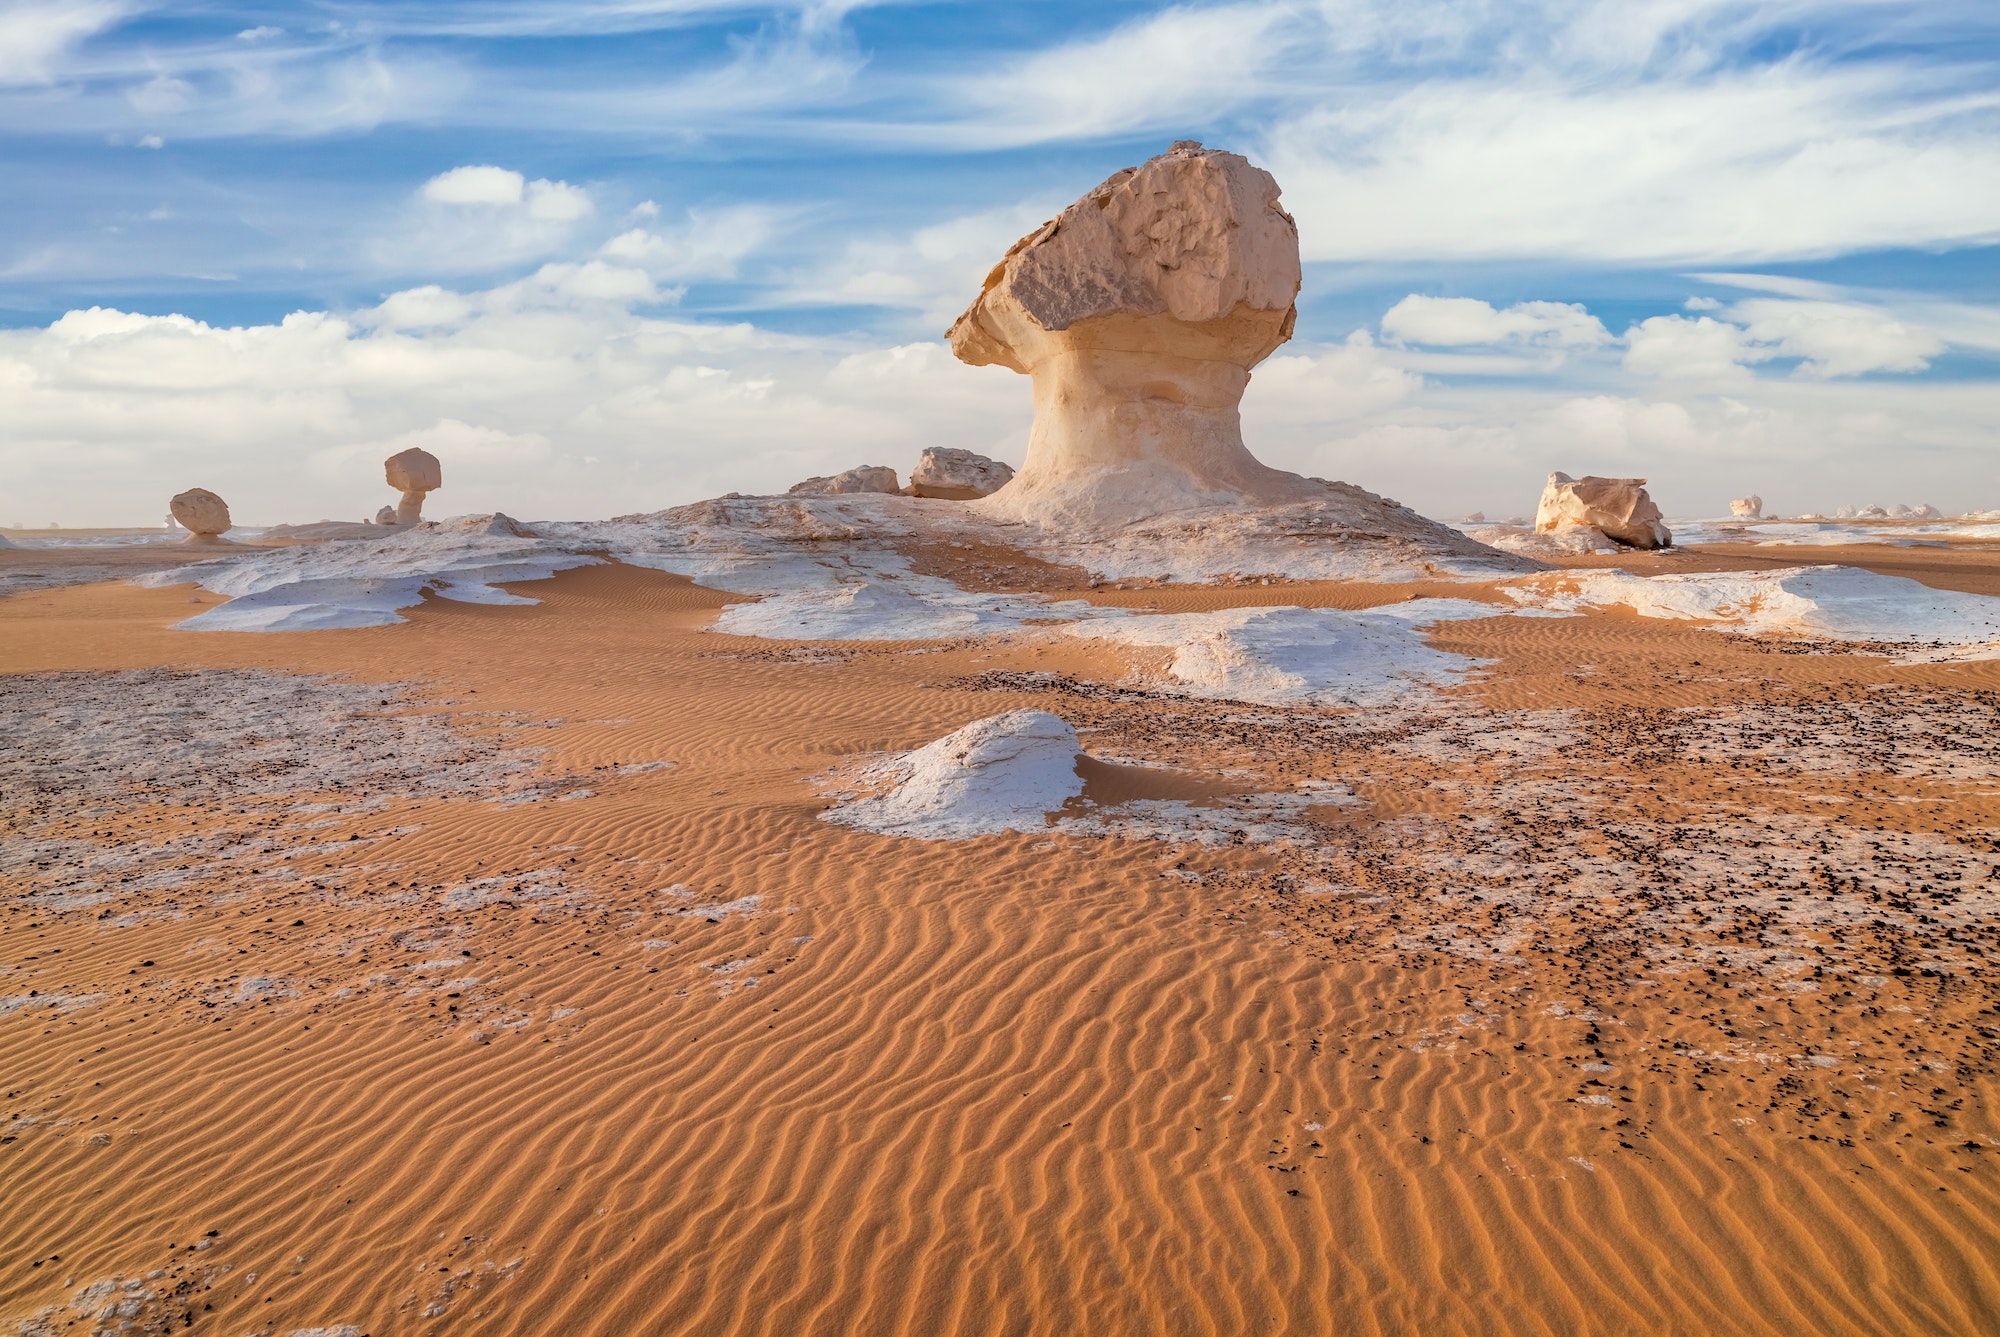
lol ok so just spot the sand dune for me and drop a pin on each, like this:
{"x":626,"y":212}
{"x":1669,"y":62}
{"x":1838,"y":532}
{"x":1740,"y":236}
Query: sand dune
{"x":1527,"y":1038}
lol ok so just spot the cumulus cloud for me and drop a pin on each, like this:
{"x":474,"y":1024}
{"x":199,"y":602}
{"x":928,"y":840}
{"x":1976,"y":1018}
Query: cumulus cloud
{"x":480,"y":218}
{"x":1828,"y":339}
{"x":1458,"y":322}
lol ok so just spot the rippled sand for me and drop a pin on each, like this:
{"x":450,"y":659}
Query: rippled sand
{"x":495,"y":973}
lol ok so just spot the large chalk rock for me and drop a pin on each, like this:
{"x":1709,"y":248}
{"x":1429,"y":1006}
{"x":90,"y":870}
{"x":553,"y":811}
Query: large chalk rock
{"x":1618,"y":508}
{"x":412,"y":472}
{"x":1004,"y":773}
{"x":958,"y":475}
{"x":1747,"y":508}
{"x":203,"y":514}
{"x":863,"y":478}
{"x":1139,"y":312}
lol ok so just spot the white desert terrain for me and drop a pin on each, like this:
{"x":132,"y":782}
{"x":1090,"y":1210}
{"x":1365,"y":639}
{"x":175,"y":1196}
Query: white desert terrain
{"x":1141,"y":892}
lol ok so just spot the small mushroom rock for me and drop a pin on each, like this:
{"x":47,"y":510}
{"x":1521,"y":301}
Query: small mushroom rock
{"x":862,"y":478}
{"x":387,"y":515}
{"x":1618,"y":508}
{"x":1138,"y":313}
{"x":412,"y":472}
{"x":203,"y":514}
{"x":1748,"y":508}
{"x":957,"y":475}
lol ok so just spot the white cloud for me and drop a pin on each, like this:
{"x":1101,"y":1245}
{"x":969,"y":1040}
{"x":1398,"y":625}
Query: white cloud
{"x":1180,"y":67}
{"x":1837,"y":338}
{"x":1457,"y":322}
{"x":162,"y":95}
{"x":476,"y":185}
{"x":35,"y":37}
{"x":263,"y":32}
{"x":1829,"y":339}
{"x":1679,"y":348}
{"x":709,"y":244}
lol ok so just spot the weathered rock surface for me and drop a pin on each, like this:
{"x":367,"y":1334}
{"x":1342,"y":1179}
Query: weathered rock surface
{"x":412,"y":472}
{"x":958,"y":475}
{"x":1618,"y":508}
{"x":386,"y":516}
{"x":862,"y":478}
{"x":203,"y":514}
{"x":1748,"y":508}
{"x":1004,"y":773}
{"x":1139,"y":312}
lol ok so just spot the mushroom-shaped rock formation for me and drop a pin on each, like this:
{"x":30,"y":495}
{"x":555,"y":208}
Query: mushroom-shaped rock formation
{"x":1748,"y":508}
{"x":1619,"y":508}
{"x":957,"y":475}
{"x":862,"y":478}
{"x":1139,"y":312}
{"x":412,"y":472}
{"x":387,"y":515}
{"x":203,"y":514}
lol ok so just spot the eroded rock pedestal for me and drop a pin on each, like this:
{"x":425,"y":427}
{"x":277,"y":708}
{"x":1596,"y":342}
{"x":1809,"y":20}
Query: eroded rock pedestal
{"x":1139,"y":312}
{"x":202,"y":514}
{"x":413,"y":473}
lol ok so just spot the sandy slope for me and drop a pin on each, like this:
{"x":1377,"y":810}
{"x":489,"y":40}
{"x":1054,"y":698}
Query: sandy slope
{"x":447,"y":1065}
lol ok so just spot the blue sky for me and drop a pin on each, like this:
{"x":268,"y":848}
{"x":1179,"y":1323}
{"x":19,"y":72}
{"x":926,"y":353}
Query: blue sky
{"x":614,"y":256}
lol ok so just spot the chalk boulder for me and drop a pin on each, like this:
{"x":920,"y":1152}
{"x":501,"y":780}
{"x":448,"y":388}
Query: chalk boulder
{"x":203,"y":514}
{"x":863,"y":478}
{"x":386,"y":516}
{"x":1618,"y":508}
{"x":1138,"y":313}
{"x":1926,"y":511}
{"x":958,"y":475}
{"x":1004,"y":773}
{"x":413,"y":473}
{"x":1748,"y":508}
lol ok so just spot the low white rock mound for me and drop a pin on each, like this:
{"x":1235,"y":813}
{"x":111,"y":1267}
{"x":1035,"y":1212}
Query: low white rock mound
{"x":862,"y":478}
{"x":958,"y":475}
{"x":1841,"y":603}
{"x":1618,"y":508}
{"x":1747,"y":508}
{"x":1004,"y":773}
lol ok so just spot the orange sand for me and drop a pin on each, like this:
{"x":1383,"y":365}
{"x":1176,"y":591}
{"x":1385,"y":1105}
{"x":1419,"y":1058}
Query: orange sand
{"x":1016,"y":1084}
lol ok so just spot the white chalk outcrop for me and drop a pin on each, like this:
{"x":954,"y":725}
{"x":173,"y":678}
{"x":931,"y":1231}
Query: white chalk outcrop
{"x":413,"y":473}
{"x":1747,"y":508}
{"x":386,"y":516}
{"x":1618,"y":508}
{"x":1834,"y":603}
{"x":862,"y":478}
{"x":958,"y":475}
{"x":204,"y":515}
{"x":1004,"y":773}
{"x":1139,"y":312}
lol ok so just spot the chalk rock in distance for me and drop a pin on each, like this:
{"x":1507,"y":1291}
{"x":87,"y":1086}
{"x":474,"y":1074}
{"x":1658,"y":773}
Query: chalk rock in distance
{"x":1618,"y":508}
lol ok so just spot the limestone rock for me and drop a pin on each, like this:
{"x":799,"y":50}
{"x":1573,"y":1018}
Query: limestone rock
{"x":957,"y":475}
{"x":1139,"y":312}
{"x":1748,"y":508}
{"x":1871,"y":513}
{"x":1926,"y":511}
{"x":862,"y":478}
{"x":386,"y":516}
{"x":1619,"y":508}
{"x":1004,"y":773}
{"x":412,"y":472}
{"x":1476,"y":518}
{"x":203,"y":514}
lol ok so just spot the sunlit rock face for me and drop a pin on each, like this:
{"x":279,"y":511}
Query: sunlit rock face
{"x":1747,"y":508}
{"x":204,"y":515}
{"x":413,"y":473}
{"x":1619,"y":508}
{"x":1139,"y":312}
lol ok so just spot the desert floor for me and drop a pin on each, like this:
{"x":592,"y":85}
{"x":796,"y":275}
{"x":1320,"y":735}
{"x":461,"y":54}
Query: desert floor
{"x":496,"y":973}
